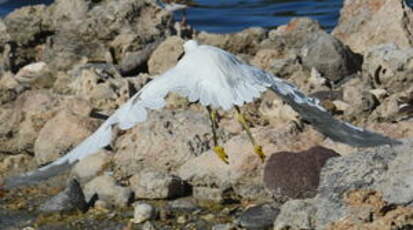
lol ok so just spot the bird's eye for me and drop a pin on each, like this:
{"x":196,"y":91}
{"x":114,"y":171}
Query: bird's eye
{"x":180,"y":56}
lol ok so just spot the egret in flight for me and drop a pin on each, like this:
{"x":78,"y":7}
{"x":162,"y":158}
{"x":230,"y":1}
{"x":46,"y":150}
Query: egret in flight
{"x":218,"y":80}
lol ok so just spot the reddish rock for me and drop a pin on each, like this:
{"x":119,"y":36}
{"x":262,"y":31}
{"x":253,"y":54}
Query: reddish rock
{"x":296,"y":175}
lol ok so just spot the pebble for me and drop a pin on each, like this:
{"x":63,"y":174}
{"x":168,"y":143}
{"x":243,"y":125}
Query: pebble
{"x":143,"y":212}
{"x":224,"y":227}
{"x":148,"y":226}
{"x":183,"y":205}
{"x":258,"y":217}
{"x":181,"y":220}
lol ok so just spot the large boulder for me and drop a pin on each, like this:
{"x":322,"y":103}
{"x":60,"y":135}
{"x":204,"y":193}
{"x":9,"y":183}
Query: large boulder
{"x":364,"y":23}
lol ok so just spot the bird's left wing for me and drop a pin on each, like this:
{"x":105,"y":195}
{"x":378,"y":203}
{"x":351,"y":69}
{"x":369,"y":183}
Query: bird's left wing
{"x":311,"y":111}
{"x":134,"y":111}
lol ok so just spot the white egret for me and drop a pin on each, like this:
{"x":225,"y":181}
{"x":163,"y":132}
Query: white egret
{"x":216,"y":79}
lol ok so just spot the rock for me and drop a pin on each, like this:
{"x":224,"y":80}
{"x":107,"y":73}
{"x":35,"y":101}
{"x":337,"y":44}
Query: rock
{"x":383,"y":170}
{"x":208,"y":194}
{"x":91,"y":166}
{"x":107,"y":190}
{"x":101,"y":85}
{"x":152,"y":184}
{"x":25,"y":117}
{"x":166,"y":55}
{"x":143,"y":212}
{"x":388,"y":66}
{"x":264,"y":58}
{"x":70,"y":199}
{"x":363,"y":24}
{"x":35,"y":75}
{"x":258,"y":217}
{"x":356,"y":93}
{"x":295,"y":175}
{"x":52,"y":142}
{"x":295,"y":215}
{"x":183,"y":205}
{"x":165,"y":141}
{"x":276,"y":111}
{"x":330,"y":57}
{"x":224,"y":227}
{"x":246,"y":41}
{"x":148,"y":226}
{"x":370,"y":211}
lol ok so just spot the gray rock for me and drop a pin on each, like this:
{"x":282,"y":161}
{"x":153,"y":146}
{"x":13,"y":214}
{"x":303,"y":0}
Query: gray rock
{"x":258,"y":217}
{"x":183,"y":205}
{"x":295,"y":215}
{"x":208,"y":194}
{"x":151,"y":184}
{"x":143,"y":212}
{"x":295,"y":175}
{"x":330,"y":57}
{"x":106,"y":189}
{"x":224,"y":227}
{"x":70,"y":199}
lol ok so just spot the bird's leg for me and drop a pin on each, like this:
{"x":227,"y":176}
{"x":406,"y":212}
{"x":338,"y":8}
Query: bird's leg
{"x":241,"y":119}
{"x":219,"y":150}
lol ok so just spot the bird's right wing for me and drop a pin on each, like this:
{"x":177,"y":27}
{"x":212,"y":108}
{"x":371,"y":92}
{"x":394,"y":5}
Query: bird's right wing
{"x":311,"y":111}
{"x":134,"y":111}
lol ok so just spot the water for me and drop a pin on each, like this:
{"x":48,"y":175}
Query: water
{"x":226,"y":16}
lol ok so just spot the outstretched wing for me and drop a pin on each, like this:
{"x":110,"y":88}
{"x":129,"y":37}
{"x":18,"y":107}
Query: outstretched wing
{"x":134,"y":111}
{"x":311,"y":111}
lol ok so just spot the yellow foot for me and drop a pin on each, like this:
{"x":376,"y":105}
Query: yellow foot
{"x":259,"y":152}
{"x":220,"y":151}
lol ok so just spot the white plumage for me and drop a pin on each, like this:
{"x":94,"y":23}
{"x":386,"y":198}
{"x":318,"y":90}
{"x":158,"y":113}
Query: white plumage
{"x":215,"y":78}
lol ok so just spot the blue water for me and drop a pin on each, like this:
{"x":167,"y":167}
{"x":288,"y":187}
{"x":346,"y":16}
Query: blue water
{"x":225,"y":16}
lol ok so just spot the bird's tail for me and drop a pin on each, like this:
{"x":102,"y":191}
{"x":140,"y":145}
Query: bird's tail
{"x":311,"y":111}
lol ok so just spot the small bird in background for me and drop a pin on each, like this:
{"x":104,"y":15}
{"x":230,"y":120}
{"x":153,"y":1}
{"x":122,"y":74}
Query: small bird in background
{"x":218,"y":80}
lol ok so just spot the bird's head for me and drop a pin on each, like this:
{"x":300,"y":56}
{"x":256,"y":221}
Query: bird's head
{"x":190,"y":45}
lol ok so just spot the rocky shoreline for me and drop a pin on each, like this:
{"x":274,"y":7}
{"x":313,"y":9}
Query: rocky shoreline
{"x":65,"y":67}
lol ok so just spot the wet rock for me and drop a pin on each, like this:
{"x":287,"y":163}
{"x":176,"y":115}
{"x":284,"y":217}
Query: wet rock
{"x":258,"y":217}
{"x":52,"y":142}
{"x":295,"y":175}
{"x":363,"y":24}
{"x":330,"y":57}
{"x":152,"y":184}
{"x":295,"y":214}
{"x":166,"y":55}
{"x":107,"y":190}
{"x":70,"y":199}
{"x":143,"y":212}
{"x":174,"y":137}
{"x":246,"y":41}
{"x":389,"y":66}
{"x":91,"y":166}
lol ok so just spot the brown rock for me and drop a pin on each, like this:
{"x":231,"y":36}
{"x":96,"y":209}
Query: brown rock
{"x":369,"y":211}
{"x":295,"y":175}
{"x":166,"y":55}
{"x":60,"y":134}
{"x":246,"y":41}
{"x":364,"y":23}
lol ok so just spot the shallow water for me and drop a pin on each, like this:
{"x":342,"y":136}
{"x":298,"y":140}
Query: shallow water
{"x":225,"y":16}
